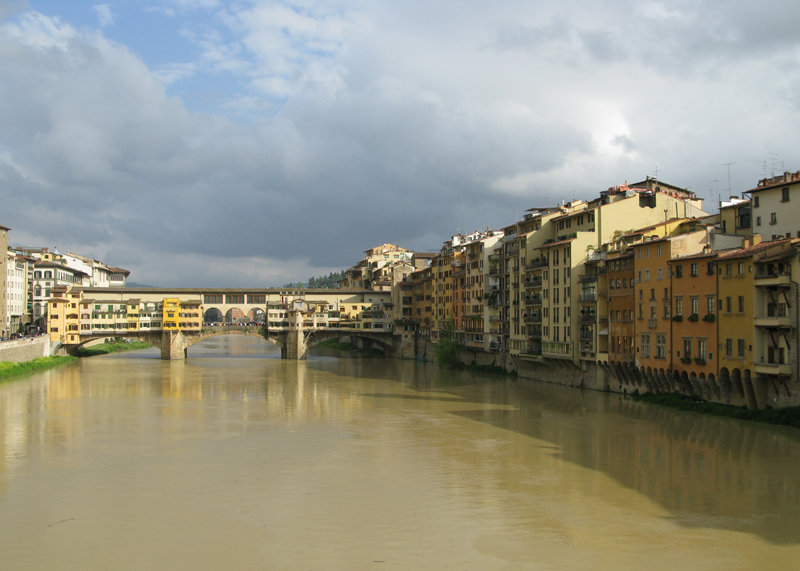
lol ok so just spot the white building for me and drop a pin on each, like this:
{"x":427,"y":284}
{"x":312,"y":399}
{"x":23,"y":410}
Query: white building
{"x":775,"y":205}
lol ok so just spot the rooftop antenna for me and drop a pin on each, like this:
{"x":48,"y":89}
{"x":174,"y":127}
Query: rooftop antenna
{"x":729,"y":176}
{"x":774,"y":162}
{"x":656,"y":173}
{"x":712,"y":191}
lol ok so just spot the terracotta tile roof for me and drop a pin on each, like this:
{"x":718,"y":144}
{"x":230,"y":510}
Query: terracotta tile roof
{"x":551,"y":244}
{"x":575,"y":213}
{"x":750,"y":250}
{"x":654,"y":226}
{"x":706,"y":254}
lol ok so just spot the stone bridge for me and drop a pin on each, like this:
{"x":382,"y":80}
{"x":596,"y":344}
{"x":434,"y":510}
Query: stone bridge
{"x":293,"y":342}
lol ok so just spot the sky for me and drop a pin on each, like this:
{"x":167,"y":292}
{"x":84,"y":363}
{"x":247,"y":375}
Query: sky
{"x":252,"y":143}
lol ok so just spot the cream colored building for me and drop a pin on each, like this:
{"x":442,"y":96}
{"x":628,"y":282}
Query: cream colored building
{"x":776,"y":207}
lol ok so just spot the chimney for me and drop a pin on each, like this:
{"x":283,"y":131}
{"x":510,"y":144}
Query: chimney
{"x":751,"y":240}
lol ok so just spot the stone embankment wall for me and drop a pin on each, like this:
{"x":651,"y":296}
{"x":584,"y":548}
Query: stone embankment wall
{"x":626,"y":378}
{"x":22,"y":350}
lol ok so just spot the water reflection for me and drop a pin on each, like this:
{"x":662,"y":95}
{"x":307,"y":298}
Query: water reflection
{"x":704,"y":472}
{"x":707,"y":471}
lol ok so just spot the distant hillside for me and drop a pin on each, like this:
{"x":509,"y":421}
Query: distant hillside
{"x":134,"y":284}
{"x":331,"y":281}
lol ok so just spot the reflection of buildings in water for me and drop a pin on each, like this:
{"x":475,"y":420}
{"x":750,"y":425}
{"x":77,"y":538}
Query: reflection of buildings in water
{"x":707,"y":471}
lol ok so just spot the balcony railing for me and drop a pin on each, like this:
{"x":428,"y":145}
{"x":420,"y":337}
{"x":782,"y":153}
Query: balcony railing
{"x":585,"y":278}
{"x":588,"y":297}
{"x":538,"y":263}
{"x":587,"y":318}
{"x":652,"y":323}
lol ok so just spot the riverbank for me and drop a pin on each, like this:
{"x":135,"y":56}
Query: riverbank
{"x":789,"y":416}
{"x":350,"y":348}
{"x":9,"y":370}
{"x":106,"y":348}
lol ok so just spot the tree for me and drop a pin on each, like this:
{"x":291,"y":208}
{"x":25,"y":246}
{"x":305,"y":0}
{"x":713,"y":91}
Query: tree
{"x":448,"y":349}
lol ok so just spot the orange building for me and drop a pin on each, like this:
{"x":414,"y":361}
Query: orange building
{"x":694,"y":327}
{"x":654,"y":344}
{"x":621,"y":307}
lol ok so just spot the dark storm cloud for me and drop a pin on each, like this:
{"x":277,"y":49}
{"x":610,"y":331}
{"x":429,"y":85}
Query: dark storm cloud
{"x":397,"y":131}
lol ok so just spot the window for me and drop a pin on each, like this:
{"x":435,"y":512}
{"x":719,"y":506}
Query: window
{"x":695,"y":270}
{"x":785,"y":194}
{"x":661,"y":346}
{"x":701,"y":349}
{"x":755,"y":202}
{"x":647,"y":275}
{"x":679,"y":271}
{"x":695,"y":305}
{"x":687,"y":347}
{"x":740,"y":347}
{"x":659,"y":274}
{"x":773,"y":218}
{"x":728,"y":304}
{"x":741,"y":268}
{"x":645,"y":345}
{"x":729,"y":347}
{"x":639,"y":276}
{"x":647,"y":251}
{"x":658,"y":250}
{"x":741,"y":304}
{"x":710,"y":304}
{"x":758,"y":220}
{"x":679,"y":306}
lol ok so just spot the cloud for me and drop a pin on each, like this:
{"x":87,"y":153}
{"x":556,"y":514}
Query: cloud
{"x":104,"y":15}
{"x":335,"y":128}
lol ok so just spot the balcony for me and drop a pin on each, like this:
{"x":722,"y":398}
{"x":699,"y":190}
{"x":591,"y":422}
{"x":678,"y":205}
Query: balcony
{"x":765,"y":278}
{"x":533,"y":319}
{"x":557,"y":349}
{"x":533,"y":300}
{"x":587,"y":318}
{"x":497,"y":272}
{"x":539,"y":263}
{"x":588,"y":297}
{"x":773,"y":321}
{"x":495,"y":257}
{"x":652,"y":323}
{"x":533,"y":283}
{"x":586,"y":278}
{"x":766,"y":368}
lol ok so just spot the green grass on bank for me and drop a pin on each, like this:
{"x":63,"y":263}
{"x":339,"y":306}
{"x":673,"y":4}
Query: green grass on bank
{"x":8,"y":369}
{"x":349,"y":347}
{"x":789,"y":416}
{"x":106,"y":348}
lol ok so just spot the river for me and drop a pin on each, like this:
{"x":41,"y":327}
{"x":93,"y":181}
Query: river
{"x":235,"y":459}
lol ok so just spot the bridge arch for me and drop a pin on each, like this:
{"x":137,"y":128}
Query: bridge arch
{"x":256,"y":315}
{"x":213,"y":315}
{"x":234,"y":315}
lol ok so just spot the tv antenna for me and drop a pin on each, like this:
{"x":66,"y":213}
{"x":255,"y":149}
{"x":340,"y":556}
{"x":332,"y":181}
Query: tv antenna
{"x":773,"y":163}
{"x":729,"y":176}
{"x":712,"y":191}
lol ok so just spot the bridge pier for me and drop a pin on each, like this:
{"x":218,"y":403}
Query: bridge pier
{"x":173,"y":345}
{"x":295,"y":339}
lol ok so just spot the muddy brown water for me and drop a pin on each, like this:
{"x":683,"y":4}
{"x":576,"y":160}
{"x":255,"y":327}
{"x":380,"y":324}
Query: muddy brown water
{"x":235,"y":459}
